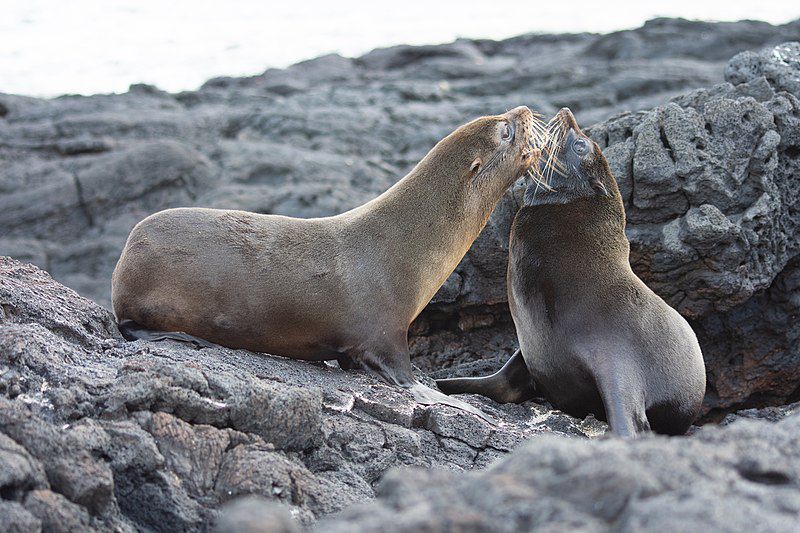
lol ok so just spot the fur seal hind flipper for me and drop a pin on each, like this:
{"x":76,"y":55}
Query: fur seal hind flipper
{"x":428,"y":396}
{"x":134,"y":331}
{"x":511,"y":384}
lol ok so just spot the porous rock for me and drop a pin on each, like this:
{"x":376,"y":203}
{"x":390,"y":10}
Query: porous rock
{"x":743,"y":476}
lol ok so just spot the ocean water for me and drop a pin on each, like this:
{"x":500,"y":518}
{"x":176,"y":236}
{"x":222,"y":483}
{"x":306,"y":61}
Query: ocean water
{"x":52,"y":47}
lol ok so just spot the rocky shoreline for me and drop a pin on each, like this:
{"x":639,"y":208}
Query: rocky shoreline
{"x":121,"y":434}
{"x":98,"y":433}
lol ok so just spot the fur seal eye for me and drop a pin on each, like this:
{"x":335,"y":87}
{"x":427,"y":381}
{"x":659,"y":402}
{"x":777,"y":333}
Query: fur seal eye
{"x":476,"y":165}
{"x":580,"y":146}
{"x":506,"y":132}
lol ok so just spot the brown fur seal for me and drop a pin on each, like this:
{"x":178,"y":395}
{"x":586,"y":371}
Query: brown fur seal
{"x":593,"y":338}
{"x":345,"y":287}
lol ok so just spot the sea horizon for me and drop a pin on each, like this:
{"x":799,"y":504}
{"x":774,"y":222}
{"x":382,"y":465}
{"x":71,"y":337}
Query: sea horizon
{"x":91,"y":47}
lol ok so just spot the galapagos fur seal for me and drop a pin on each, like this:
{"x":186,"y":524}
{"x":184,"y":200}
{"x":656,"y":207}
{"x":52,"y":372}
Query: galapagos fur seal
{"x":345,"y":287}
{"x":593,"y":337}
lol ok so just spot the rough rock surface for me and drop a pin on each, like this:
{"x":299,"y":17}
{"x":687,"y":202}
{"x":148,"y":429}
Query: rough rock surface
{"x":99,"y":433}
{"x":710,"y":177}
{"x":745,"y":476}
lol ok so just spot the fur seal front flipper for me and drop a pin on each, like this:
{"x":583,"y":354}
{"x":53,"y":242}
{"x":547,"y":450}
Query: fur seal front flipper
{"x":422,"y":394}
{"x":623,"y":401}
{"x":510,"y":384}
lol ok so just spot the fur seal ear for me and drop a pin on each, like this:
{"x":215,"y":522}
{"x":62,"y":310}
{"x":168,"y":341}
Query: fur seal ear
{"x":601,"y":188}
{"x":476,"y":165}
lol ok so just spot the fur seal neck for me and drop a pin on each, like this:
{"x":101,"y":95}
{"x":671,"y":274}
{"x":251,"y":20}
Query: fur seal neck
{"x":427,"y":221}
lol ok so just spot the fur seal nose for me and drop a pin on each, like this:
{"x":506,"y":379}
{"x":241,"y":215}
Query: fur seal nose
{"x":523,"y":118}
{"x":520,"y":112}
{"x":568,"y":118}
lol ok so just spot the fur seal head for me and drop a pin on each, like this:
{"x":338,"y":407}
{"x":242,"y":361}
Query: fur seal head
{"x":572,"y":168}
{"x":493,"y":151}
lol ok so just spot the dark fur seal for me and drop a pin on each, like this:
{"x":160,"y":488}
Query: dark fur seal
{"x":593,"y":338}
{"x":345,"y":287}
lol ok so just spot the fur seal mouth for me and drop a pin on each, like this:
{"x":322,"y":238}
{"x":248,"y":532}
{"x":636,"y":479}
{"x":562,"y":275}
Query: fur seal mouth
{"x":551,"y":139}
{"x":534,"y":137}
{"x":542,"y":142}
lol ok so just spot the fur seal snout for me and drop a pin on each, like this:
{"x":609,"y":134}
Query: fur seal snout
{"x":593,"y":337}
{"x":345,"y":287}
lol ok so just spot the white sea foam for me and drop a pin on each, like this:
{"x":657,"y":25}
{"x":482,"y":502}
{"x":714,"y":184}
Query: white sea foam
{"x":50,"y":47}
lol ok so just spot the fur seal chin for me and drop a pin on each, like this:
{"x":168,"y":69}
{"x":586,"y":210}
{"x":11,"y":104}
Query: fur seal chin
{"x":593,"y":337}
{"x":344,"y":287}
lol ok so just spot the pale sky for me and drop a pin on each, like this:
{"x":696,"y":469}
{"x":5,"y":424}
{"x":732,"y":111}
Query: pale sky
{"x":51,"y":47}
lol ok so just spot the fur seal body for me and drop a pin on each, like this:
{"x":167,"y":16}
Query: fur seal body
{"x":345,"y":287}
{"x":593,"y":337}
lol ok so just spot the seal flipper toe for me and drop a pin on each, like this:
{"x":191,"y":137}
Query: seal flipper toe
{"x":133,"y":331}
